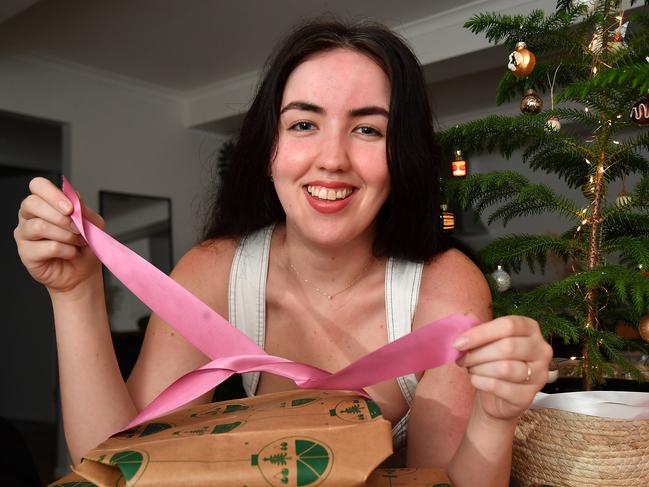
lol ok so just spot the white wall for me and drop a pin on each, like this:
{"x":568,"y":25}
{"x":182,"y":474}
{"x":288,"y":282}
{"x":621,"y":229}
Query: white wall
{"x":121,"y":138}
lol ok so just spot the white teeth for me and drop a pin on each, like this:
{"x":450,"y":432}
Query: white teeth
{"x":328,"y":194}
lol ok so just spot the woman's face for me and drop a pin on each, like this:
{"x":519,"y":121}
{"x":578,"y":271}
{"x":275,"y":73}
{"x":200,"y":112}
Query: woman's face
{"x":330,"y":169}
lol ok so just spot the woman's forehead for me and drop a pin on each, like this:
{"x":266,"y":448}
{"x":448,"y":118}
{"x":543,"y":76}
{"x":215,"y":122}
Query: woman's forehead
{"x":338,"y":76}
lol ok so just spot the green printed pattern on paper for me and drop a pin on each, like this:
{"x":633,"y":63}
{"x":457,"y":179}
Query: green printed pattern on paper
{"x":225,"y":428}
{"x":373,"y":408}
{"x":128,"y":462}
{"x":356,"y":410}
{"x":312,"y":461}
{"x":153,"y":428}
{"x":294,"y":462}
{"x":301,"y":402}
{"x":230,"y":408}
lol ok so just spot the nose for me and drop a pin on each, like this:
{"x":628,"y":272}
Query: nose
{"x":334,"y":152}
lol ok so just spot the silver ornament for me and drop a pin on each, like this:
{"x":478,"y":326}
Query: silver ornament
{"x":503,"y":280}
{"x":553,"y":124}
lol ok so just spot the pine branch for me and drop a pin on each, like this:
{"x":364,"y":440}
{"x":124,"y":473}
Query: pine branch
{"x":622,"y":283}
{"x":510,"y":251}
{"x":623,"y":162}
{"x":551,"y":322}
{"x":491,"y":133}
{"x":567,"y":71}
{"x":620,"y":220}
{"x":507,"y":134}
{"x":599,"y":366}
{"x":534,"y":199}
{"x":641,"y":193}
{"x":632,"y":249}
{"x":635,"y":79}
{"x":480,"y":191}
{"x":628,"y":150}
{"x":567,"y":161}
{"x":542,"y":33}
{"x":587,"y":119}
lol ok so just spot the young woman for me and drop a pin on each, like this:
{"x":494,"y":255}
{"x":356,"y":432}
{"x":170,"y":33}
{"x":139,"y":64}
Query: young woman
{"x":322,"y":246}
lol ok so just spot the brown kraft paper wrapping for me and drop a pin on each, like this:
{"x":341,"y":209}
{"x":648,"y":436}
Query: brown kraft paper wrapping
{"x":381,"y":477}
{"x":295,"y":438}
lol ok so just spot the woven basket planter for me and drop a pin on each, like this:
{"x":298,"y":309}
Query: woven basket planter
{"x":560,"y":448}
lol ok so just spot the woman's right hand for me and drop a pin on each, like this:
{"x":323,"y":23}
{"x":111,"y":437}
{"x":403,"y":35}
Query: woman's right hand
{"x":48,"y":242}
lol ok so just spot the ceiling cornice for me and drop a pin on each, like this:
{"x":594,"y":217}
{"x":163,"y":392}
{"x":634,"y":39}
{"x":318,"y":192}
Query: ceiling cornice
{"x":98,"y":75}
{"x":433,"y":39}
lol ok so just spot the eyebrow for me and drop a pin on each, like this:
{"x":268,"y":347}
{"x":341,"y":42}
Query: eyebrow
{"x":356,"y":112}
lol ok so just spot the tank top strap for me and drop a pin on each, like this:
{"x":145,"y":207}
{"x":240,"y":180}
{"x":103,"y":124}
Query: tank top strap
{"x":247,"y":292}
{"x":402,"y":283}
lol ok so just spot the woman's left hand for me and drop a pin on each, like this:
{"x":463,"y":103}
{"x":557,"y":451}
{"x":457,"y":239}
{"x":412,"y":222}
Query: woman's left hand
{"x":507,"y":360}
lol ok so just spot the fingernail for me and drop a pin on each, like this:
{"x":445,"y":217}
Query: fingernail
{"x":74,"y":228}
{"x":461,"y":343}
{"x":65,"y":205}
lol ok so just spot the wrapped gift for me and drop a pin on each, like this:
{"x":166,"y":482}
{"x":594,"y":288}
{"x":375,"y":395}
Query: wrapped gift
{"x":410,"y":477}
{"x":381,"y":477}
{"x":295,"y":438}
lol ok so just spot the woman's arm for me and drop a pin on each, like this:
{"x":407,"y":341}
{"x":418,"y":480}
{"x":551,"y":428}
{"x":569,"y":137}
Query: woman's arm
{"x":508,"y":361}
{"x":451,"y":284}
{"x":95,"y":400}
{"x":464,"y":414}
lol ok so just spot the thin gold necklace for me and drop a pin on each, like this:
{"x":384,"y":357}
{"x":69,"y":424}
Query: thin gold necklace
{"x":327,"y":295}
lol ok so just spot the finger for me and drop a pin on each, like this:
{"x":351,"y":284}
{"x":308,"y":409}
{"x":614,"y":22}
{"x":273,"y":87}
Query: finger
{"x":509,"y":370}
{"x":39,"y":229}
{"x":506,"y":326}
{"x":34,"y":253}
{"x":519,"y":395}
{"x":35,"y":206}
{"x":515,"y":348}
{"x":51,"y":194}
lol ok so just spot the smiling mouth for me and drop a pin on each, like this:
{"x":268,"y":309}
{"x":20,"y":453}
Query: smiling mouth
{"x":329,"y":194}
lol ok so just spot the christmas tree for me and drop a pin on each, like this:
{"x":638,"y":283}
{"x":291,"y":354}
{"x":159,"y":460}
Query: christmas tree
{"x":592,"y":60}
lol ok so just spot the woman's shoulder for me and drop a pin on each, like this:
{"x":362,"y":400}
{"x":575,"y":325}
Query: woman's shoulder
{"x":452,"y":283}
{"x":205,"y":268}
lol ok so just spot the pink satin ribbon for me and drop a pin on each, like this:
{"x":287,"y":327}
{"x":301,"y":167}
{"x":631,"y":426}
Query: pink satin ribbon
{"x":233,"y":352}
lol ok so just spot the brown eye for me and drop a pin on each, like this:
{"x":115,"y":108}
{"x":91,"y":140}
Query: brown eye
{"x":302,"y":126}
{"x":365,"y":130}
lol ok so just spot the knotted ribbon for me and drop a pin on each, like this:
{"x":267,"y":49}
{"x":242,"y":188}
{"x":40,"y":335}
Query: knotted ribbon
{"x":233,"y":352}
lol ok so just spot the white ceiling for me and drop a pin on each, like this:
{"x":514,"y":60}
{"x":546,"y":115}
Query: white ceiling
{"x":181,"y":45}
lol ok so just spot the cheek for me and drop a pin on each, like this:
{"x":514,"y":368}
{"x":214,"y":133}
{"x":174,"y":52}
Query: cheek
{"x":291,"y":155}
{"x":373,"y":165}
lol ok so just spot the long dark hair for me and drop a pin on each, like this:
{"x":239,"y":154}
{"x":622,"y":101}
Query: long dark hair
{"x":408,"y":223}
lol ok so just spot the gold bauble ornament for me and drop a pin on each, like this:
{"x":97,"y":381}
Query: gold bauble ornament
{"x":521,"y":61}
{"x":643,"y":328}
{"x":531,"y":102}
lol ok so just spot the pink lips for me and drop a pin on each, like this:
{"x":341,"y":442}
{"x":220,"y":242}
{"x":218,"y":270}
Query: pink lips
{"x":328,"y":206}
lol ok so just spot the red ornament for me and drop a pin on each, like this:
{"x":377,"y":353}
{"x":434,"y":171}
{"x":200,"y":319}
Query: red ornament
{"x":459,"y":165}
